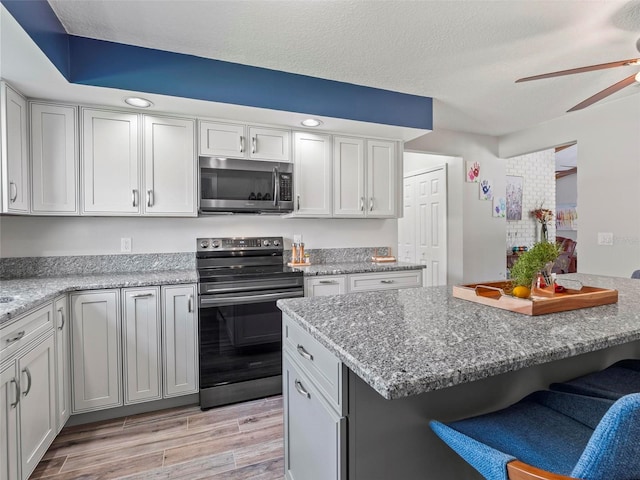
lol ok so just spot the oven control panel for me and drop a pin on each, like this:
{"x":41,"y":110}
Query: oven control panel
{"x":239,"y":243}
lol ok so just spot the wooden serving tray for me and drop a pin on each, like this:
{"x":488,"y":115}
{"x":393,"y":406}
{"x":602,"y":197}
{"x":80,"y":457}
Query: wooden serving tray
{"x":540,"y":303}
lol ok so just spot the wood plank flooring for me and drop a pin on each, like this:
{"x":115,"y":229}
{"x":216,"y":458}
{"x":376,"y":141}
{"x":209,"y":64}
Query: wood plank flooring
{"x":235,"y":442}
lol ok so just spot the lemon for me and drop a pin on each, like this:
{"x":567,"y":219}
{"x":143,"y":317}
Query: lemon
{"x":521,"y":292}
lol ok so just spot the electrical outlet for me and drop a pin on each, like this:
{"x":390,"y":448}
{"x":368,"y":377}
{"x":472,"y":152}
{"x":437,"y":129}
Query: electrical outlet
{"x":125,"y":244}
{"x":605,"y":238}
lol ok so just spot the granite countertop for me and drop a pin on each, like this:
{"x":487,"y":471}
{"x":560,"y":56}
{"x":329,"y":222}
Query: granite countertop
{"x":406,"y":342}
{"x":343,"y":268}
{"x":27,"y":293}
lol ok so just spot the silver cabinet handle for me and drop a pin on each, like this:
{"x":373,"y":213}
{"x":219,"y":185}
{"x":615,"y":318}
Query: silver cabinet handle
{"x":134,"y":197}
{"x":17,"y":337}
{"x":298,"y":202}
{"x":301,"y":389}
{"x":150,"y":198}
{"x":362,"y":204}
{"x":26,"y":370}
{"x":190,"y":304}
{"x":371,"y":204}
{"x":14,"y":404}
{"x":386,"y":281}
{"x":254,"y":144}
{"x":60,"y":311}
{"x":142,"y":295}
{"x":241,"y":144}
{"x":303,"y":353}
{"x":15,"y":189}
{"x":328,"y":282}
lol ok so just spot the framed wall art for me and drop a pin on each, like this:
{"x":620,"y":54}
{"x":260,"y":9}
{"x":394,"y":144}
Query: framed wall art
{"x":514,"y":197}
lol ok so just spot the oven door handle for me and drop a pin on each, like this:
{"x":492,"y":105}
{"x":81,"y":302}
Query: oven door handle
{"x":246,"y":299}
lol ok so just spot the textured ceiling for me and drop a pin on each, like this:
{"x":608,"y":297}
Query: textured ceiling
{"x":464,"y":54}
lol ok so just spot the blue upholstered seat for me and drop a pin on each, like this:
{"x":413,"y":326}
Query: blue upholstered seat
{"x":636,"y":274}
{"x":619,"y":379}
{"x":566,"y":434}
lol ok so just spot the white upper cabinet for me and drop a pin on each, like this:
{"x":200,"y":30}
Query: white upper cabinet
{"x":169,"y":167}
{"x":312,"y":174}
{"x":270,"y":144}
{"x":349,"y":177}
{"x":381,"y":179}
{"x":15,"y":161}
{"x":110,"y":162}
{"x":54,"y":159}
{"x":242,"y":141}
{"x":222,"y":140}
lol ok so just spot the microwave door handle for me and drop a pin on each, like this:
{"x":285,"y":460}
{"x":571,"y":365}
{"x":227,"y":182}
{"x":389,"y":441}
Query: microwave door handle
{"x":276,"y":186}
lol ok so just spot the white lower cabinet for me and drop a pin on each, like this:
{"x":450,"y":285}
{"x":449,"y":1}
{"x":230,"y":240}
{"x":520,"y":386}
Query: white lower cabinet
{"x":9,"y":399}
{"x":63,"y":360}
{"x":96,"y":352}
{"x":180,"y":340}
{"x":141,"y":344}
{"x":315,"y":434}
{"x":325,"y":285}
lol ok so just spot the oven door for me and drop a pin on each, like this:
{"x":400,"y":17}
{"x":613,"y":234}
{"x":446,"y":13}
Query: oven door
{"x":241,"y":336}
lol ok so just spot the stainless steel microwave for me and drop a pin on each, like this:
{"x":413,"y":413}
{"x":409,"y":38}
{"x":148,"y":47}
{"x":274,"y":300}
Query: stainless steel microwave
{"x":245,"y":186}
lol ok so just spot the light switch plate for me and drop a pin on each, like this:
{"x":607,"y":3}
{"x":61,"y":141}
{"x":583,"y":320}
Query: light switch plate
{"x":125,"y":244}
{"x":605,"y":238}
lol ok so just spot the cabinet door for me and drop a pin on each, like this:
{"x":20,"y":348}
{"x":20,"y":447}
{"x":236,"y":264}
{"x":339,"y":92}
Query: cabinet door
{"x":95,"y":345}
{"x":315,"y":435}
{"x":15,"y":166}
{"x":37,"y":414}
{"x":270,"y":144}
{"x":381,"y":179}
{"x":169,"y":166}
{"x":63,"y":360}
{"x":325,"y":285}
{"x":141,"y":340}
{"x":54,"y":159}
{"x":313,"y":174}
{"x":180,"y":340}
{"x":110,"y":163}
{"x":349,"y":177}
{"x":222,"y":140}
{"x":9,"y":400}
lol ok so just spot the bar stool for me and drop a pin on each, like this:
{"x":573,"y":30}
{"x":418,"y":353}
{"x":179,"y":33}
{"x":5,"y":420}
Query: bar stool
{"x":621,"y":378}
{"x":551,"y":435}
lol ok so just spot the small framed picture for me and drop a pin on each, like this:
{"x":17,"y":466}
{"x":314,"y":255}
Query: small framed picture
{"x":472,"y":172}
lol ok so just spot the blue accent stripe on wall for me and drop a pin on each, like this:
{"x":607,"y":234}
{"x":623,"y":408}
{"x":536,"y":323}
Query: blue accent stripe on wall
{"x":108,"y":64}
{"x":40,"y":22}
{"x":115,"y":65}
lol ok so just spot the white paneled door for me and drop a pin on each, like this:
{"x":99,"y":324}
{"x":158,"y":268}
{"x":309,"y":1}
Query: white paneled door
{"x":422,"y":231}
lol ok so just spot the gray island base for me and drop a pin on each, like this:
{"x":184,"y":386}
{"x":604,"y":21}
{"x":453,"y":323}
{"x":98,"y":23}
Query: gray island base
{"x":364,"y":373}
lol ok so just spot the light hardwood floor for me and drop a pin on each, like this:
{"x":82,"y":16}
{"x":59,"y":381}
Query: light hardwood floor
{"x":241,"y":441}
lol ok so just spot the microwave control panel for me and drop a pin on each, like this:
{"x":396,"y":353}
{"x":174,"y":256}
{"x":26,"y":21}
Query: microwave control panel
{"x":286,"y":187}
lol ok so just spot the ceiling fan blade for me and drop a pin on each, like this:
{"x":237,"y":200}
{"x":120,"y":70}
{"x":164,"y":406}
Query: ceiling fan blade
{"x":605,"y":93}
{"x":565,"y":173}
{"x":602,"y":66}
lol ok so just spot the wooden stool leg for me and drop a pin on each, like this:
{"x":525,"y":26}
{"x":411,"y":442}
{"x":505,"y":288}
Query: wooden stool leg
{"x":518,"y":470}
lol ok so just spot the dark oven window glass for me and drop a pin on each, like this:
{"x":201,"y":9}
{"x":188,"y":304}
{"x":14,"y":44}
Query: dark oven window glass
{"x":239,"y":343}
{"x":236,"y":185}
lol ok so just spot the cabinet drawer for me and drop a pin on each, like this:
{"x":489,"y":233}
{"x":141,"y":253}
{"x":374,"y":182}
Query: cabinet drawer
{"x":385,"y":280}
{"x":325,"y":285}
{"x":325,"y":369}
{"x":25,"y":328}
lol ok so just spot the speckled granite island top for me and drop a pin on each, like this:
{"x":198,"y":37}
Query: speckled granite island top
{"x":342,"y":268}
{"x":406,"y":342}
{"x":26,"y":293}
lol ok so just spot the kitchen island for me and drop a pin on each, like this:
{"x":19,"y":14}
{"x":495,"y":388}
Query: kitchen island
{"x":405,"y":357}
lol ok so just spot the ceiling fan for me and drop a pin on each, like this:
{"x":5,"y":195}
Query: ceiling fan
{"x":602,"y":94}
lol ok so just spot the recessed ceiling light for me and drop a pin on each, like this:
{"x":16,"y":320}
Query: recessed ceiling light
{"x":311,"y":122}
{"x":138,"y":102}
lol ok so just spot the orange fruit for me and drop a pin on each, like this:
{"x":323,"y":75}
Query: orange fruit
{"x":521,"y":292}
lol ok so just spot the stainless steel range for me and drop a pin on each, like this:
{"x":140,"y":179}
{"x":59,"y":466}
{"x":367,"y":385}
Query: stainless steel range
{"x":240,"y":280}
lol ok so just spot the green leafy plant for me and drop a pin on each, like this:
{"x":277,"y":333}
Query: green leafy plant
{"x":528,"y":264}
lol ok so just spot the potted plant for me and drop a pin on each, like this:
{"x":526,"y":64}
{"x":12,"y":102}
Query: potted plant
{"x":538,"y":258}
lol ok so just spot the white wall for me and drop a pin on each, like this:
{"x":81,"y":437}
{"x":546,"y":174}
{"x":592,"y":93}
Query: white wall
{"x":608,"y":137}
{"x":455,"y":175}
{"x":478,"y":251}
{"x":567,"y":193}
{"x":45,"y":236}
{"x":538,"y":188}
